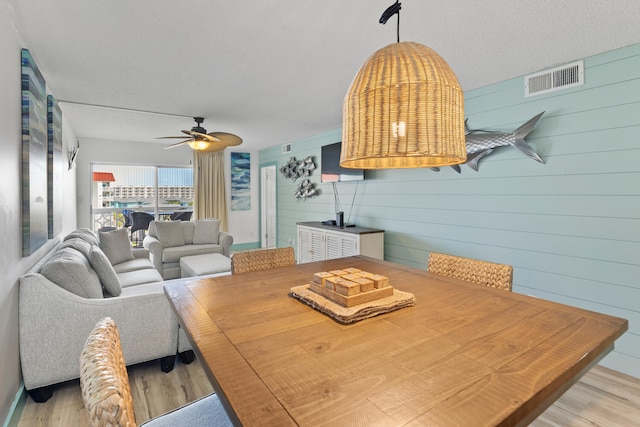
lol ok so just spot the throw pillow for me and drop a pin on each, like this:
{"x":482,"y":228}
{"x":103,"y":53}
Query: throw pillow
{"x":78,"y":244}
{"x":116,"y":246}
{"x":106,"y":273}
{"x":206,"y":231}
{"x":84,"y":234}
{"x":170,"y":233}
{"x":70,"y":270}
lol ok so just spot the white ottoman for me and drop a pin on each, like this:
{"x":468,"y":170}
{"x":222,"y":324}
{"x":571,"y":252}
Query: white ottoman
{"x":201,"y":265}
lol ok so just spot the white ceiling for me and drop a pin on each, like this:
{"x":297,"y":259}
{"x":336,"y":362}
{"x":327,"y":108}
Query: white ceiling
{"x":274,"y":71}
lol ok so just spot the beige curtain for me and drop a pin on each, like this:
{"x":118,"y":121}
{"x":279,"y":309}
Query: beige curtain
{"x":209,"y":200}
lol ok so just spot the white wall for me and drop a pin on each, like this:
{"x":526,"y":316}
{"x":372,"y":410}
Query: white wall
{"x":12,"y":264}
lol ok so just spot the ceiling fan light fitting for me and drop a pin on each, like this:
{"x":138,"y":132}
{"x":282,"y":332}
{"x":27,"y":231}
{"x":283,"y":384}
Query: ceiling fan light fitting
{"x":198,"y":145}
{"x":200,"y":140}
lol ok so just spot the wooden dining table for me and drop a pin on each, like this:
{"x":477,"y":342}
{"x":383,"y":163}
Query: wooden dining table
{"x":463,"y":355}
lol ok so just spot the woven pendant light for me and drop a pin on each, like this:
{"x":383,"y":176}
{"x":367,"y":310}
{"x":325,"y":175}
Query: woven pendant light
{"x":404,"y":109}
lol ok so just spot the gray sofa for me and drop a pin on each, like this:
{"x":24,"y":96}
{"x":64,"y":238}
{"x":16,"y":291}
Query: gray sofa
{"x":168,"y":241}
{"x":80,"y":281}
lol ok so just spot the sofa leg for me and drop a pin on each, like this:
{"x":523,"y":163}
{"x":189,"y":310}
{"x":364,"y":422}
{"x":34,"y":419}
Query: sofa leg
{"x":187,"y":357}
{"x":41,"y":394}
{"x":167,"y":362}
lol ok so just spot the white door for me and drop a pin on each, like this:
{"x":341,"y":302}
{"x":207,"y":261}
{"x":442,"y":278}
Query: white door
{"x":268,"y":206}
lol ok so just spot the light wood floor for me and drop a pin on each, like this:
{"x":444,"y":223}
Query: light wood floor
{"x":153,"y":391}
{"x":601,"y":398}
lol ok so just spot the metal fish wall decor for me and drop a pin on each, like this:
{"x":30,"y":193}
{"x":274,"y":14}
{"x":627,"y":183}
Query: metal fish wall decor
{"x":481,"y":143}
{"x":305,"y":190}
{"x":295,"y":169}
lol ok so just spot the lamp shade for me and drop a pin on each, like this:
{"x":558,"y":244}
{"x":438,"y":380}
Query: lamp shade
{"x":404,"y":109}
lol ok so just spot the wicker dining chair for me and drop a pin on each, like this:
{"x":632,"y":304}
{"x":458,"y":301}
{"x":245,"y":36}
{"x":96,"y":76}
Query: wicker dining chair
{"x":107,"y":395}
{"x":262,"y":259}
{"x":499,"y":276}
{"x":126,"y":214}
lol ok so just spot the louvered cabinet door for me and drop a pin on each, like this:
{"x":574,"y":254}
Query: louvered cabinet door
{"x":311,"y":245}
{"x":340,"y":245}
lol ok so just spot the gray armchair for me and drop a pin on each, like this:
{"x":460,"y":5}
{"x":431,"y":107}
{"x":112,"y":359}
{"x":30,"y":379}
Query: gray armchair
{"x":168,"y":241}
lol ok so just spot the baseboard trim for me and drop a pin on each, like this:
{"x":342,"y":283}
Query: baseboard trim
{"x":15,"y":412}
{"x":244,"y":246}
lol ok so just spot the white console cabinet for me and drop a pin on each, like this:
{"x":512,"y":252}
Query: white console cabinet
{"x":318,"y":242}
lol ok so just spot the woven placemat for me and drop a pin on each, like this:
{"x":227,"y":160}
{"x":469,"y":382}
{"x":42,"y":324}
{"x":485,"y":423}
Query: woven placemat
{"x":346,"y":315}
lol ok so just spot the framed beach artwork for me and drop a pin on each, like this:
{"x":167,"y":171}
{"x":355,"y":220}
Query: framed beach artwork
{"x":34,"y":157}
{"x":55,"y":167}
{"x":240,"y":181}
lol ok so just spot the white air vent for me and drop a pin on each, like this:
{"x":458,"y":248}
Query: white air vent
{"x":558,"y":78}
{"x":286,"y":148}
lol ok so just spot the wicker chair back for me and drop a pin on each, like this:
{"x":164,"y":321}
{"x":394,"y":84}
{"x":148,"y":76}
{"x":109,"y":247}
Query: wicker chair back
{"x":484,"y":273}
{"x":262,"y":259}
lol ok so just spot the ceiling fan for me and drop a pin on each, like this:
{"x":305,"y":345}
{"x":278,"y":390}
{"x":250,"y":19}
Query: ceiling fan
{"x":199,"y":140}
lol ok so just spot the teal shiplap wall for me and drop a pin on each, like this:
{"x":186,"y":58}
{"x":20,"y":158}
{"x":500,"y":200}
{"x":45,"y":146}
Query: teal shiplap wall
{"x":570,"y":227}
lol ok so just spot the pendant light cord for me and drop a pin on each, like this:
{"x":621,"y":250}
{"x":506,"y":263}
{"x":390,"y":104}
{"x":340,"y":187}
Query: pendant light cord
{"x":389,"y":12}
{"x":398,"y":26}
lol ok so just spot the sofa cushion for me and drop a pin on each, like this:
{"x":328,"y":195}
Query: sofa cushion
{"x":187,"y":230}
{"x":143,"y":289}
{"x":174,"y":254}
{"x":70,"y":270}
{"x":138,"y":277}
{"x":78,"y":244}
{"x":106,"y":273}
{"x":206,"y":231}
{"x":141,"y":253}
{"x":84,"y":234}
{"x":116,"y":245}
{"x":132,"y":265}
{"x":170,"y":233}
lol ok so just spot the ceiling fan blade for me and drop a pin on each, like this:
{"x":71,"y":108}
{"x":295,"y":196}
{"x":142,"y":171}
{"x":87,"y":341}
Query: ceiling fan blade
{"x":177,"y":144}
{"x":228,"y":139}
{"x":213,"y":141}
{"x":206,"y":137}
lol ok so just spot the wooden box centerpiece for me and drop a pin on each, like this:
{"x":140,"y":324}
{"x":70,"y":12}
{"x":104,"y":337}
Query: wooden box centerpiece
{"x":350,"y":286}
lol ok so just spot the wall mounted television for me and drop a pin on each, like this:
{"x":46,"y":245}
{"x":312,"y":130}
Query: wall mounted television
{"x":330,"y":169}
